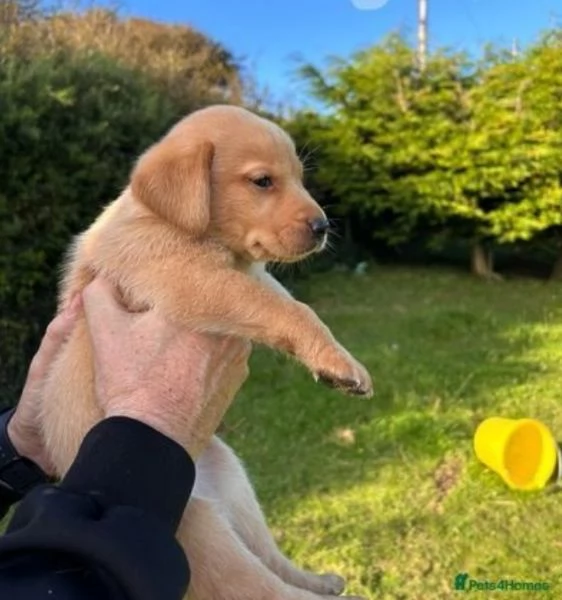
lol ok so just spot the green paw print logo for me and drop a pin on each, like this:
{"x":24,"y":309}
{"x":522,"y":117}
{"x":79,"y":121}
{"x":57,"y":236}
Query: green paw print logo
{"x":460,"y":581}
{"x":368,"y":4}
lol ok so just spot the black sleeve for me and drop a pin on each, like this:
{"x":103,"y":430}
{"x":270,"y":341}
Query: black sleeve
{"x":5,"y":504}
{"x":108,"y":530}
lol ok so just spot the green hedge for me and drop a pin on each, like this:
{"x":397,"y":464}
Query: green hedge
{"x":70,"y":128}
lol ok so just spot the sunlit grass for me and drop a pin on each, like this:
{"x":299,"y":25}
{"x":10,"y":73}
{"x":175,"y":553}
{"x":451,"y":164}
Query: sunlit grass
{"x":387,"y":491}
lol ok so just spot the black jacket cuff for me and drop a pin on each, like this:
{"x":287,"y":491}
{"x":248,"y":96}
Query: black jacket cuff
{"x":125,"y":462}
{"x":62,"y":541}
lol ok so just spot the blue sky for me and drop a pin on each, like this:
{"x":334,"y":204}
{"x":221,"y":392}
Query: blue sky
{"x":270,"y":32}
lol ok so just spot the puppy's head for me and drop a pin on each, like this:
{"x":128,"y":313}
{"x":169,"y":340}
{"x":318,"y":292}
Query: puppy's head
{"x":226,"y":173}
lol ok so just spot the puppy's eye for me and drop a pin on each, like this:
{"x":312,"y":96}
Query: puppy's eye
{"x":263,"y":182}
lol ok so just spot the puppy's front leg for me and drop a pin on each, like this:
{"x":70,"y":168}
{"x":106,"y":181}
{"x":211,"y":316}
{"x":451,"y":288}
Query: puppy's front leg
{"x":230,"y":302}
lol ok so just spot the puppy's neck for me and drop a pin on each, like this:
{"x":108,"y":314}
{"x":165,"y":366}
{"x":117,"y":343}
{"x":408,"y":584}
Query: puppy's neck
{"x":243,"y":263}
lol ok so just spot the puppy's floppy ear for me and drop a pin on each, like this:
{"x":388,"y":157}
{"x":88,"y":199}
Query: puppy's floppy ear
{"x":174,"y":181}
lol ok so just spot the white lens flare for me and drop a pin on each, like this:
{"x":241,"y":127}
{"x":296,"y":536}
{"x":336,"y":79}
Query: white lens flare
{"x":368,"y":4}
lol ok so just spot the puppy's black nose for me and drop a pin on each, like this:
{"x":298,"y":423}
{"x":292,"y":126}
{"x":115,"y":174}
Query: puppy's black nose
{"x":319,"y":226}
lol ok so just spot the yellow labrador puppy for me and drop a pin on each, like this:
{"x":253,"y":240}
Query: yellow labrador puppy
{"x":206,"y":208}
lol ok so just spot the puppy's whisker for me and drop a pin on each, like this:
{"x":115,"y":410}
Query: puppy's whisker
{"x":330,"y":247}
{"x":312,"y":151}
{"x":305,"y":263}
{"x":304,"y":148}
{"x":309,"y":153}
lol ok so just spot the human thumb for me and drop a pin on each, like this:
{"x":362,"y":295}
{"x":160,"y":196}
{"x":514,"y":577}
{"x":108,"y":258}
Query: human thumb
{"x":105,"y":315}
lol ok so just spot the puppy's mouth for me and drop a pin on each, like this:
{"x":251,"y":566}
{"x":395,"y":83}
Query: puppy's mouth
{"x":280,"y":254}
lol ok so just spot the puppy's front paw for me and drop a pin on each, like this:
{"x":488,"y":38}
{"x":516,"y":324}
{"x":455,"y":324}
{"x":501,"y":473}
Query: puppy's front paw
{"x":338,"y":369}
{"x":332,"y":584}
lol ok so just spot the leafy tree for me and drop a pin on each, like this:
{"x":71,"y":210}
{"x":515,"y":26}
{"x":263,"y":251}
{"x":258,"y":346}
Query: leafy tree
{"x":388,"y":133}
{"x":187,"y":65}
{"x":463,"y":150}
{"x":542,"y":97}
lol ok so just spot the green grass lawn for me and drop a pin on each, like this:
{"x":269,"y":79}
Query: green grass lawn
{"x":387,"y":491}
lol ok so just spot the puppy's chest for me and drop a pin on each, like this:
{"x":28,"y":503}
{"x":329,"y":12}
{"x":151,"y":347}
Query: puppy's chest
{"x":258,"y":272}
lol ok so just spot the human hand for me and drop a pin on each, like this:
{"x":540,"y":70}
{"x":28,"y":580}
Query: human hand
{"x":177,"y":381}
{"x":24,"y":428}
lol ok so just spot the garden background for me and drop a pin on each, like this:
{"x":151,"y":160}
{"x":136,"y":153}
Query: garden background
{"x":444,"y":186}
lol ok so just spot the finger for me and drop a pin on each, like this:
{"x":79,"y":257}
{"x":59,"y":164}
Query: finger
{"x":231,"y":363}
{"x":73,"y":303}
{"x":100,"y":295}
{"x":104,"y":313}
{"x":237,"y":374}
{"x":220,"y":353}
{"x":236,"y":350}
{"x":228,"y":382}
{"x":56,"y":334}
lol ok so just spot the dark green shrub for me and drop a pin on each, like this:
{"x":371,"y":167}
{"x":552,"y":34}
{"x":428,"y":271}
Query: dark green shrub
{"x":70,"y":129}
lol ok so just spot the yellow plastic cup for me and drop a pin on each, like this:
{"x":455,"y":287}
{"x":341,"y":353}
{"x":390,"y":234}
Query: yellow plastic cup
{"x":523,"y":452}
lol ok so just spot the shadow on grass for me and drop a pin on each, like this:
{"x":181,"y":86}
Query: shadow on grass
{"x":445,"y":350}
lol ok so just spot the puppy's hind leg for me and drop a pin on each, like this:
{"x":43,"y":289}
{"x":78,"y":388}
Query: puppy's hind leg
{"x":226,"y":480}
{"x":222,"y":568}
